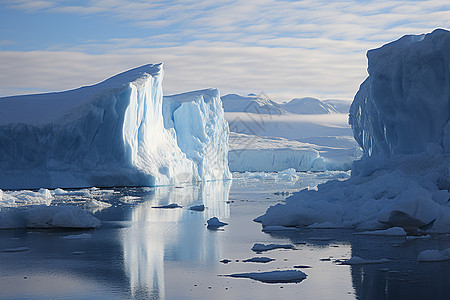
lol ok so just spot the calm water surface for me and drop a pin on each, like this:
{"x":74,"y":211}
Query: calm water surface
{"x":142,"y":252}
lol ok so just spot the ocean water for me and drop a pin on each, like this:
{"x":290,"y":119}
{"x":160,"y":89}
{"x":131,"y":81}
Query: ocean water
{"x":143,"y":252}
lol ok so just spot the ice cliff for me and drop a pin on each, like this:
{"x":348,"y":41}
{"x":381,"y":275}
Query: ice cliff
{"x":120,"y":132}
{"x":404,"y":103}
{"x":401,"y":118}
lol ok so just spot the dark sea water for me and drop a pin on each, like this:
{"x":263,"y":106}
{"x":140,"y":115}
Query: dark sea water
{"x":142,"y":252}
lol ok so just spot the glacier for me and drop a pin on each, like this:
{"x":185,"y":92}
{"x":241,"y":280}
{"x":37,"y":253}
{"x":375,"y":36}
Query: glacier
{"x":273,"y":154}
{"x":401,"y":118}
{"x":120,"y":132}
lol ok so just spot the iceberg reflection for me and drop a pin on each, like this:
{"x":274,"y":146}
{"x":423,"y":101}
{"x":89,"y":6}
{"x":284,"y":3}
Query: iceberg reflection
{"x":157,"y":235}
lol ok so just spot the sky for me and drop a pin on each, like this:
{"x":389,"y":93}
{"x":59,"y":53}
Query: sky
{"x":286,"y":49}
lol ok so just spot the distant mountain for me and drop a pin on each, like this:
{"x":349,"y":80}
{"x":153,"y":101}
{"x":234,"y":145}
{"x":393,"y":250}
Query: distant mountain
{"x":251,"y":104}
{"x":308,"y":106}
{"x":341,"y":106}
{"x":302,"y":106}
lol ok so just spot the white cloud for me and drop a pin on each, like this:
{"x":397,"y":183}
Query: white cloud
{"x":284,"y":48}
{"x":287,"y":72}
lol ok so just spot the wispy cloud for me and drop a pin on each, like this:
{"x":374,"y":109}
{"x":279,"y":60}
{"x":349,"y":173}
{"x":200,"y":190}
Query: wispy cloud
{"x":285,"y":48}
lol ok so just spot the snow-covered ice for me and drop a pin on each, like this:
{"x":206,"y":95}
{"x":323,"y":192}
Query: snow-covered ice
{"x":286,"y":276}
{"x":400,"y":117}
{"x":304,"y":142}
{"x":120,"y":132}
{"x":253,"y":153}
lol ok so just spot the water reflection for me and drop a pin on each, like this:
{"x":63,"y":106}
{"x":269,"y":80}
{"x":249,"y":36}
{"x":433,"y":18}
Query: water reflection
{"x":159,"y":235}
{"x":403,"y":277}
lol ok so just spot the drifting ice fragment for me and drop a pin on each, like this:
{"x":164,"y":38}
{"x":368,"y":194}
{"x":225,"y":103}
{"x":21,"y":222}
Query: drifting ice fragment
{"x":287,"y":276}
{"x":214,"y":222}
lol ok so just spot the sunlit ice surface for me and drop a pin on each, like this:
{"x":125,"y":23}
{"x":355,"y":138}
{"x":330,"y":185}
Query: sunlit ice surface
{"x":143,"y":252}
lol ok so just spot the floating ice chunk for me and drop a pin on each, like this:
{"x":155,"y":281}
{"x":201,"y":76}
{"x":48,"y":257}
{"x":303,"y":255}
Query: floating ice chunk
{"x":360,"y":261}
{"x":95,"y":205}
{"x":129,"y":199}
{"x":214,"y":222}
{"x":18,"y":249}
{"x":200,"y":207}
{"x":434,"y":255}
{"x":47,"y":217}
{"x":25,"y":198}
{"x":78,"y":236}
{"x":258,"y":219}
{"x":417,"y":237}
{"x":278,"y":228}
{"x":73,"y":217}
{"x":262,"y":247}
{"x":286,"y":276}
{"x":172,"y":205}
{"x":394,"y":231}
{"x":259,"y":260}
{"x":60,"y":191}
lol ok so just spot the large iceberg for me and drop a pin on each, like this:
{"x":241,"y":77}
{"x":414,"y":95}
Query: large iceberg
{"x":119,"y":132}
{"x":404,"y":103}
{"x":401,"y":118}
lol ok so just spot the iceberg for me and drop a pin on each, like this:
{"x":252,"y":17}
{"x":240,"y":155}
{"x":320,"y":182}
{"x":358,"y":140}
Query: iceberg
{"x":404,"y":103}
{"x":401,"y":118}
{"x":120,"y":132}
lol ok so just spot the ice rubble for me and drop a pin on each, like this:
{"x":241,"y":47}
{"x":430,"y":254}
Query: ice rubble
{"x":400,"y":117}
{"x":42,"y":209}
{"x":119,"y":132}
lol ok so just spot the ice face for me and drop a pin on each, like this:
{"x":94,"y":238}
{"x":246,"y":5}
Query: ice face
{"x":115,"y":133}
{"x":404,"y":104}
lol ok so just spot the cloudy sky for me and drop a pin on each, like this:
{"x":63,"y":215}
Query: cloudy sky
{"x":284,"y":48}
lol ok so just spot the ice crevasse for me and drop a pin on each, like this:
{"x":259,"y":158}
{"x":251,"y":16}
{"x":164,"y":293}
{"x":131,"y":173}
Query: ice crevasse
{"x":120,"y":132}
{"x":401,"y":118}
